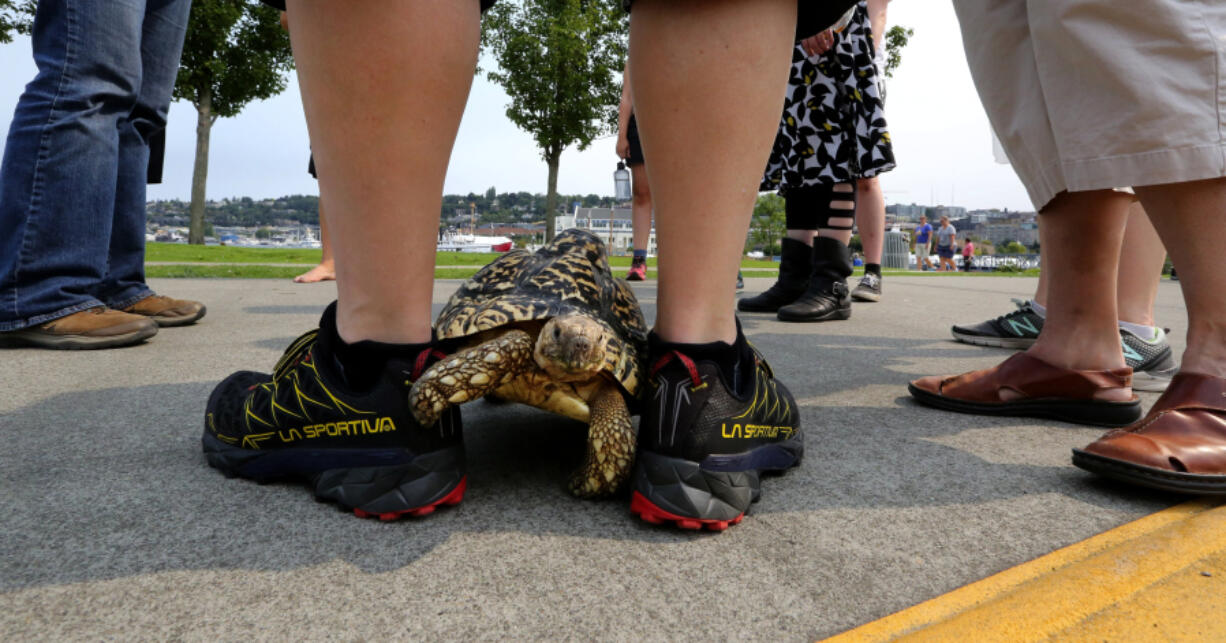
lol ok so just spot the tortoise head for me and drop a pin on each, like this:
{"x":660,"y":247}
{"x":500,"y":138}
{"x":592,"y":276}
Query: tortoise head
{"x":571,"y":347}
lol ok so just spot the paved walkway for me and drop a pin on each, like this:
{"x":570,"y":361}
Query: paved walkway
{"x":112,"y":526}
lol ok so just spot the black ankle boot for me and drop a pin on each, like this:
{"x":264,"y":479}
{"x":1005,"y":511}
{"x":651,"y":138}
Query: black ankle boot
{"x":795,"y":267}
{"x":827,"y":297}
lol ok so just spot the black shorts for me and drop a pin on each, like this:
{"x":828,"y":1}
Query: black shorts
{"x":311,"y":167}
{"x":636,"y":149}
{"x":812,"y":16}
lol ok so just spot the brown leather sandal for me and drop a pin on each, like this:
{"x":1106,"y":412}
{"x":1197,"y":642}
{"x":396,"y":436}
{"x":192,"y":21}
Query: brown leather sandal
{"x":1179,"y":446}
{"x":1025,"y":385}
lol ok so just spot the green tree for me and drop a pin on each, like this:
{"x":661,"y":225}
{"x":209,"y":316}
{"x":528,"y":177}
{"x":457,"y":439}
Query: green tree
{"x":235,"y":52}
{"x":16,"y":17}
{"x":263,"y":233}
{"x":1012,"y":248}
{"x":768,"y":224}
{"x":559,"y":61}
{"x":896,"y":38}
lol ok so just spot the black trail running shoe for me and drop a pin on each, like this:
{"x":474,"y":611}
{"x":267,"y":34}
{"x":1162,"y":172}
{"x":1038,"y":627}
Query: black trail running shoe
{"x":1018,"y":329}
{"x":702,"y":448}
{"x":362,"y":451}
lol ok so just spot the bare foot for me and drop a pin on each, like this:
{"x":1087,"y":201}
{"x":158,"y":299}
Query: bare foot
{"x":322,"y":272}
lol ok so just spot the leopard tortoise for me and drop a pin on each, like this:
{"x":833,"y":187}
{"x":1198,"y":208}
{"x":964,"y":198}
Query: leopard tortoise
{"x":553,"y":329}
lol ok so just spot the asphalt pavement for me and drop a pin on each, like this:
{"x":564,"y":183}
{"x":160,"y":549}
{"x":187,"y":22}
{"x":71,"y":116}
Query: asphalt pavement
{"x":112,"y":525}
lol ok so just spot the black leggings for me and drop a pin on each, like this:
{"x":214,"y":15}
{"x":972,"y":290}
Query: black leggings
{"x":812,"y":207}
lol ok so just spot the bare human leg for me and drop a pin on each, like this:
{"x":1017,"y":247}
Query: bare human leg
{"x":1075,"y":371}
{"x":365,"y":70}
{"x":1081,"y":233}
{"x":1181,"y":445}
{"x":388,"y":187}
{"x":1141,"y":259}
{"x":640,"y":208}
{"x":1191,"y":219}
{"x":704,"y":176}
{"x":705,"y":185}
{"x":870,"y":217}
{"x":326,"y":270}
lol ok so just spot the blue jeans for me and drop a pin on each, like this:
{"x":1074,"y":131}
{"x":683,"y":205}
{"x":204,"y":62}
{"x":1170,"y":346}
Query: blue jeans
{"x":72,"y":182}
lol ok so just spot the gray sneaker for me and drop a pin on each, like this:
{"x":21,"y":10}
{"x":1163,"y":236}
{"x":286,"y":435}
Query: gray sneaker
{"x":1151,"y":360}
{"x":1018,"y":329}
{"x":869,"y":288}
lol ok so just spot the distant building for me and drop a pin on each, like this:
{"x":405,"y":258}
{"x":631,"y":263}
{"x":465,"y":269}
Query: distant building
{"x":951,"y":211}
{"x":613,"y":225}
{"x":902,"y":212}
{"x":1026,"y":233}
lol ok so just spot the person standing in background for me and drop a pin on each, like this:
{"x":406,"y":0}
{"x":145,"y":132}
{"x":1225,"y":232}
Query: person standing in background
{"x":947,"y":234}
{"x":832,"y":113}
{"x":968,"y":255}
{"x":923,"y":244}
{"x":72,"y":182}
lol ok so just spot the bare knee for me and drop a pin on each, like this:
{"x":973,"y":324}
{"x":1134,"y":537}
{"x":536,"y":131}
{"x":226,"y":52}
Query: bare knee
{"x":641,"y":193}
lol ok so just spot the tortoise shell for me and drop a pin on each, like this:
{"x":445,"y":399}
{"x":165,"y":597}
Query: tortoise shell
{"x":568,"y":275}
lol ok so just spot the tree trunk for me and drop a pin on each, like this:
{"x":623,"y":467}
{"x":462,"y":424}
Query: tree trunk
{"x":200,"y":173}
{"x":551,"y":196}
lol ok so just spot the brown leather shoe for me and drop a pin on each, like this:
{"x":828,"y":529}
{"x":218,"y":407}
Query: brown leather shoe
{"x":99,"y":327}
{"x":1179,"y":446}
{"x":1026,"y":385}
{"x":166,"y":311}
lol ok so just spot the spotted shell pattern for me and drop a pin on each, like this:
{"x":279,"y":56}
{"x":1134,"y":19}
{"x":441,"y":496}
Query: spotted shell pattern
{"x":568,"y":275}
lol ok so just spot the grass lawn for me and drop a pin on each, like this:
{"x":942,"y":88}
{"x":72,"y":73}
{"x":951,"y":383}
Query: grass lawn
{"x":444,"y":262}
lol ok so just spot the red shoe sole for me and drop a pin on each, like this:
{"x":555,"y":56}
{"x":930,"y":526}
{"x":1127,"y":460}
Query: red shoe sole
{"x":650,"y":513}
{"x":452,"y":498}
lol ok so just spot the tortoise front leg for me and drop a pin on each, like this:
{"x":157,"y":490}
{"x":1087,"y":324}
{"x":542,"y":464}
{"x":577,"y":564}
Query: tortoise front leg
{"x":470,"y":374}
{"x":610,"y":446}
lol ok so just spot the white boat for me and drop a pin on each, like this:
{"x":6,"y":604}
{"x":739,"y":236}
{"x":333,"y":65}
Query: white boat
{"x":306,"y":239}
{"x":456,"y":242}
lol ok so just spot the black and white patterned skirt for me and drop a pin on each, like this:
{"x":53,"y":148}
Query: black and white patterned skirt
{"x":833,"y":128}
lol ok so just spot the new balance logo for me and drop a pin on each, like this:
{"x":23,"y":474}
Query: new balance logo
{"x":1022,"y":324}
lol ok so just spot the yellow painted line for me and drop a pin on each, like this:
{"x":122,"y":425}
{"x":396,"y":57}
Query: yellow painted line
{"x":1144,"y":573}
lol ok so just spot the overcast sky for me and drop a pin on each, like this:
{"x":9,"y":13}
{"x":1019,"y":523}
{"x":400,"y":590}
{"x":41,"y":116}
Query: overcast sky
{"x":941,"y":136}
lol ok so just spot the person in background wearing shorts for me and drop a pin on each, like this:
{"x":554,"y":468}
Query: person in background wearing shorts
{"x":947,"y":234}
{"x":968,"y":255}
{"x":629,"y":148}
{"x":1083,"y":104}
{"x":923,"y":244}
